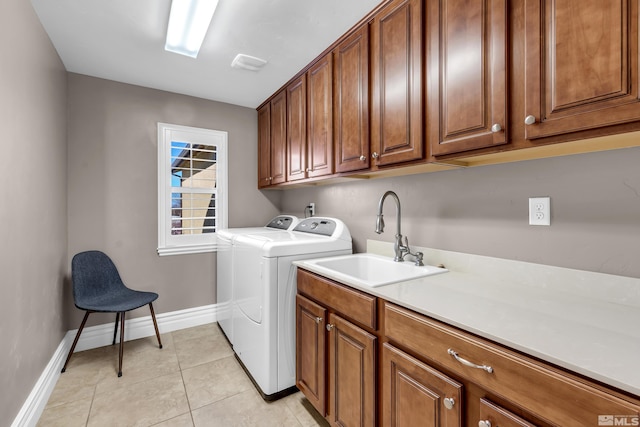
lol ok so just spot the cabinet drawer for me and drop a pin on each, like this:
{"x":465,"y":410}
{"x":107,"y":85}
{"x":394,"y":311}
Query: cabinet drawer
{"x":351,"y":303}
{"x":493,"y":415}
{"x":553,"y":395}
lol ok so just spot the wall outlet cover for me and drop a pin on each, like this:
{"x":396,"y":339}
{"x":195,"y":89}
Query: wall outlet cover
{"x":540,"y":211}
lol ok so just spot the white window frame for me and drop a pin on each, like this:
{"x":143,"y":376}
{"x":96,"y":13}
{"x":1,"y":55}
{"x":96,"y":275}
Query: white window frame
{"x":169,"y":244}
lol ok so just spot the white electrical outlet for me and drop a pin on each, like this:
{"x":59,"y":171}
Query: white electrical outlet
{"x":539,"y":211}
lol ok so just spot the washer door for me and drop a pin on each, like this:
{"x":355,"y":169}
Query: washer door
{"x":248,"y":289}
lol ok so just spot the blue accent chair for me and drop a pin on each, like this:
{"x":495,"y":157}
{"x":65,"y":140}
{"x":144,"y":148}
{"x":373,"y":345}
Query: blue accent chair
{"x":98,"y":288}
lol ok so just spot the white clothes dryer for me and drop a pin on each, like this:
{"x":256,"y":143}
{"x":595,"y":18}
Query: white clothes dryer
{"x":224,"y":262}
{"x":264,"y":297}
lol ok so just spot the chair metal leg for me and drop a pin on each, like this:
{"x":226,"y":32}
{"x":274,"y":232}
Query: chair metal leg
{"x":155,"y":324}
{"x":75,"y":341}
{"x":121,"y":343}
{"x":115,"y":329}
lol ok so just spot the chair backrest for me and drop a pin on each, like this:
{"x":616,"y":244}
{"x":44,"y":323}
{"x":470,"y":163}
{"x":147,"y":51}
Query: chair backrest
{"x":93,"y":273}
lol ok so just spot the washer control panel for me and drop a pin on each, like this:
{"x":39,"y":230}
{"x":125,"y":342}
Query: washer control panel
{"x":313,"y":225}
{"x":282,"y":222}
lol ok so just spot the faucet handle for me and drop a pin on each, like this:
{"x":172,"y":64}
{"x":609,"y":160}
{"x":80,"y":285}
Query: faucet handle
{"x":406,"y":243}
{"x":418,"y":260}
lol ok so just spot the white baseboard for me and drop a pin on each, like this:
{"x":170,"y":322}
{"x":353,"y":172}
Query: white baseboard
{"x":34,"y":405}
{"x":99,"y":336}
{"x":141,"y":327}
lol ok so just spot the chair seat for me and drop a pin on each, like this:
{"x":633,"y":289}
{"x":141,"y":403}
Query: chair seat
{"x":118,"y":300}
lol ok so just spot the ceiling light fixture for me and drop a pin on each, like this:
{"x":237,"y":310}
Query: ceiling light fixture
{"x":188,"y":24}
{"x":247,"y":62}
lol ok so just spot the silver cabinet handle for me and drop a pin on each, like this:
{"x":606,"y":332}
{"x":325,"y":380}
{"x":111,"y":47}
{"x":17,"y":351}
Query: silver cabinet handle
{"x":374,"y":155}
{"x":465,"y":362}
{"x":363,"y":158}
{"x":529,"y":120}
{"x":449,"y":402}
{"x":318,"y":320}
{"x":306,"y":170}
{"x":329,"y":327}
{"x":496,"y":128}
{"x":484,"y":423}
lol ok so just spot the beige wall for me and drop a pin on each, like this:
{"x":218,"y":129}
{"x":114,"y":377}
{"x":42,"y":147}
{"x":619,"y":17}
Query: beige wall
{"x":33,"y":195}
{"x":112,"y":176}
{"x":595,"y":207}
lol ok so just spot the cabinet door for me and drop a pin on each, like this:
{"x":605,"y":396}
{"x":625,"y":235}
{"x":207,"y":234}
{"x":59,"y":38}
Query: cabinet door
{"x":264,"y":146}
{"x":352,"y":376}
{"x":310,"y":352}
{"x":466,"y":75}
{"x":297,"y":129}
{"x":320,"y":126}
{"x":351,"y":102}
{"x":581,"y":65}
{"x":493,"y":415}
{"x":278,"y":138}
{"x":396,"y":83}
{"x":414,"y":393}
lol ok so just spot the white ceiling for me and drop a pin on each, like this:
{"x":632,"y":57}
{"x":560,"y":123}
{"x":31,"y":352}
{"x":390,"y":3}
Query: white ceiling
{"x":123,"y":40}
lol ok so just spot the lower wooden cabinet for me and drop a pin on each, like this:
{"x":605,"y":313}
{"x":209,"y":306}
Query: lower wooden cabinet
{"x":352,"y":378}
{"x":310,"y":352}
{"x":540,"y":394}
{"x":415,"y":394}
{"x":336,"y":360}
{"x":362,"y":361}
{"x":492,"y":415}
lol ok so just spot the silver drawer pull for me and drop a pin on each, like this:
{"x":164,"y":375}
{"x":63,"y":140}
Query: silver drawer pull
{"x":318,"y":320}
{"x":489,"y":369}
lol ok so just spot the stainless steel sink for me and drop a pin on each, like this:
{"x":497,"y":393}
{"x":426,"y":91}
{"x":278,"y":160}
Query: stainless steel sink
{"x":371,"y":270}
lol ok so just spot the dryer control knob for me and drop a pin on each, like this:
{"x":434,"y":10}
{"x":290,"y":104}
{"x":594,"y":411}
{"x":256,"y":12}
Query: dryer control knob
{"x":314,"y":225}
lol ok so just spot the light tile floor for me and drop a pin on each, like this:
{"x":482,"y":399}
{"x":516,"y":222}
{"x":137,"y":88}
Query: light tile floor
{"x":194,"y":380}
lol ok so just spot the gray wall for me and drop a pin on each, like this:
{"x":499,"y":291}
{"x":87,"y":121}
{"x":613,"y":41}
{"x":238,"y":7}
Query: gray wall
{"x":33,"y":196}
{"x":112,"y":176}
{"x":595,"y":209}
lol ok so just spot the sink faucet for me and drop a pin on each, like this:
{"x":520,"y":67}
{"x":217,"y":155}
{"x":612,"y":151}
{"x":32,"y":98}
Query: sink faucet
{"x":400,"y":248}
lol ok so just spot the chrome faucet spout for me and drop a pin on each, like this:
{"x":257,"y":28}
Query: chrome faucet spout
{"x":380,"y":224}
{"x":399,"y":249}
{"x":394,"y":196}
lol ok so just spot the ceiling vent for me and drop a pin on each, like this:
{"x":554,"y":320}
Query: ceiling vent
{"x":247,"y":62}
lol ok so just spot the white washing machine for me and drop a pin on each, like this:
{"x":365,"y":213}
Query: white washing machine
{"x":224,"y":281}
{"x":264,"y":297}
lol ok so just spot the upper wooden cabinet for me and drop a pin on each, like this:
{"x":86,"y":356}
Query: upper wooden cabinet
{"x":581,"y":65}
{"x":320,"y":114}
{"x":466,"y":74}
{"x":310,"y":122}
{"x":297,"y":129}
{"x":351,"y":102}
{"x":272,"y":134}
{"x":264,"y":146}
{"x":396,"y":83}
{"x":457,"y":83}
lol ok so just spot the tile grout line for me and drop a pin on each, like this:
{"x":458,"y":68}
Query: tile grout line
{"x":184,"y":386}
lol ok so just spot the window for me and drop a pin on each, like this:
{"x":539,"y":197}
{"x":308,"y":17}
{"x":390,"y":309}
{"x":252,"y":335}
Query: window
{"x":192,"y":188}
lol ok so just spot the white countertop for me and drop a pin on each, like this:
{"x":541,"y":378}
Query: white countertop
{"x":586,"y":322}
